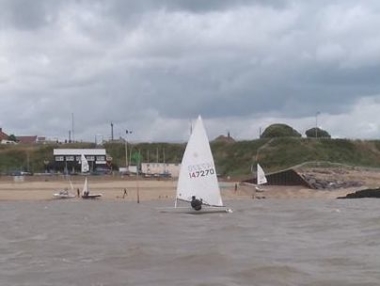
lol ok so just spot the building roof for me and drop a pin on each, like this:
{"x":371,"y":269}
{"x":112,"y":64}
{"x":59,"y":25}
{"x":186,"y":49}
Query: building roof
{"x":64,"y":152}
{"x":27,"y":139}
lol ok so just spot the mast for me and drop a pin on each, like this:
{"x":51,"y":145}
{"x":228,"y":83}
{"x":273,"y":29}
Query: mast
{"x":72,"y":127}
{"x":254,"y":187}
{"x":163,"y":152}
{"x":137,"y":181}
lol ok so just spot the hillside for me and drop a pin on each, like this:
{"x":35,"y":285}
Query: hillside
{"x":231,"y":158}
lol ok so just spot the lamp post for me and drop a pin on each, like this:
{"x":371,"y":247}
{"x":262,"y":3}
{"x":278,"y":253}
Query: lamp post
{"x":126,"y":149}
{"x":72,"y":127}
{"x":316,"y":124}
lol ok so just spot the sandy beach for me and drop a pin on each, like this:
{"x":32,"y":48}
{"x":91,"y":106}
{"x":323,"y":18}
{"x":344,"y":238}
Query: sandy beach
{"x":112,"y":188}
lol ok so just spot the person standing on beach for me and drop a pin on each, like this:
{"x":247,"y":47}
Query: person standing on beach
{"x":125,"y":193}
{"x":78,"y":192}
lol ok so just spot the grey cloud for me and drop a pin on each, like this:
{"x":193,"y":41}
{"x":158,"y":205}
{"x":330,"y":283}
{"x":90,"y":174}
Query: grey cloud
{"x":141,"y":63}
{"x":122,"y":7}
{"x":28,"y":15}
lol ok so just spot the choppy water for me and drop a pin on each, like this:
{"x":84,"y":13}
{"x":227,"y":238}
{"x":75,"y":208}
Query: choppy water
{"x":265,"y":242}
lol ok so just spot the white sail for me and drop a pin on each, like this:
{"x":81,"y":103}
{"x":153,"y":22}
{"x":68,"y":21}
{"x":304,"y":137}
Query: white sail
{"x":84,"y":164}
{"x":71,"y":186}
{"x":86,"y":192}
{"x":261,"y":179}
{"x":197,"y":175}
{"x":65,"y":193}
{"x":85,"y":187}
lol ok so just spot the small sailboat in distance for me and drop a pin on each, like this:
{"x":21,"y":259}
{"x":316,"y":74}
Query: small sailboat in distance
{"x":261,"y":179}
{"x":197,"y":182}
{"x":65,"y":193}
{"x":84,"y":169}
{"x":86,"y":192}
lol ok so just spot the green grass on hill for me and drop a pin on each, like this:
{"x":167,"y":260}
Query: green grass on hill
{"x":231,"y":158}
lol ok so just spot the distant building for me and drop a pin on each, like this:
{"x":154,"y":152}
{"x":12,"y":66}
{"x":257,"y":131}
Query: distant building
{"x":27,"y":139}
{"x":3,"y":141}
{"x":3,"y":136}
{"x":160,"y":169}
{"x":22,"y":139}
{"x":69,"y":160}
{"x":222,"y":138}
{"x":41,"y":139}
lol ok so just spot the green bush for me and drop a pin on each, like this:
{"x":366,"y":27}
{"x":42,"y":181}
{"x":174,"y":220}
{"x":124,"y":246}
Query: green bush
{"x":279,"y":130}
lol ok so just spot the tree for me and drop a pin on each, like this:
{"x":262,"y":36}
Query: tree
{"x":136,"y":158}
{"x":317,"y":133}
{"x":12,"y":138}
{"x":279,"y":130}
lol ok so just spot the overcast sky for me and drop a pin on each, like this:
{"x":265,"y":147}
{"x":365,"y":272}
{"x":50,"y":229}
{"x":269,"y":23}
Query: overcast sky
{"x":152,"y":66}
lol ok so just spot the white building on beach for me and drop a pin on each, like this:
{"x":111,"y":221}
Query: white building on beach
{"x":156,"y":169}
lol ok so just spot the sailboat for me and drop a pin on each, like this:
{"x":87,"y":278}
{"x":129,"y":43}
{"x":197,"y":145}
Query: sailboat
{"x":84,"y":169}
{"x":86,"y":192}
{"x":197,"y":182}
{"x":261,"y":178}
{"x":65,"y":193}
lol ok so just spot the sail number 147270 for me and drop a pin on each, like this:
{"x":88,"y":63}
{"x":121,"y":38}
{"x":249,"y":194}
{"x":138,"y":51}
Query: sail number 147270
{"x":201,"y":170}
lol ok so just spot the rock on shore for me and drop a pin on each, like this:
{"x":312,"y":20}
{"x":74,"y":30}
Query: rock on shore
{"x":367,"y":193}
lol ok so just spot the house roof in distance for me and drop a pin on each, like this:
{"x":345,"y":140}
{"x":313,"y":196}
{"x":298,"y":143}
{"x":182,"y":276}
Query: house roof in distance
{"x":3,"y":136}
{"x":27,"y":139}
{"x":74,"y":152}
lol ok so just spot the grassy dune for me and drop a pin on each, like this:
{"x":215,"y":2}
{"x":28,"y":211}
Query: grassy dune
{"x":231,"y":158}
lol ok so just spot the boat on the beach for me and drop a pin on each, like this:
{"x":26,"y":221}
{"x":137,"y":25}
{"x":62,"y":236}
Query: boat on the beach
{"x":198,"y":185}
{"x":86,"y":192}
{"x":65,"y":193}
{"x":261,"y":179}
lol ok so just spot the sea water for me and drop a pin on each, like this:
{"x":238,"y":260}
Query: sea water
{"x":263,"y":242}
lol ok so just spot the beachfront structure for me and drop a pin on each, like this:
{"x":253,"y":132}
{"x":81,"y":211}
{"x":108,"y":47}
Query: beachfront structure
{"x":160,"y":169}
{"x":3,"y":136}
{"x":69,"y":160}
{"x":27,"y":140}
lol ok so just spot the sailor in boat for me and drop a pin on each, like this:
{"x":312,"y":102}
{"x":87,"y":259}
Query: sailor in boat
{"x":86,"y":193}
{"x":196,"y":204}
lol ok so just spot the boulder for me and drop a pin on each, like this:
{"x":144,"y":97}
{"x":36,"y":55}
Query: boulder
{"x":367,"y":193}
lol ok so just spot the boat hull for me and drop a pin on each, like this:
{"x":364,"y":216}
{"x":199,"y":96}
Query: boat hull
{"x":58,"y":196}
{"x":189,"y":210}
{"x":259,"y":190}
{"x":90,"y":197}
